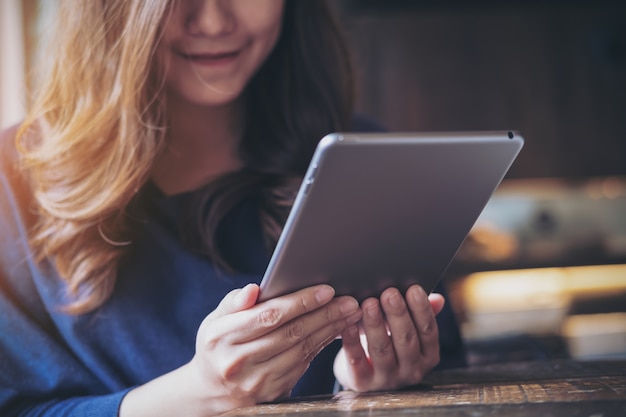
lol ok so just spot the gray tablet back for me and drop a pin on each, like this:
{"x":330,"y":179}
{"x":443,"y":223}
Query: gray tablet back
{"x":381,"y":210}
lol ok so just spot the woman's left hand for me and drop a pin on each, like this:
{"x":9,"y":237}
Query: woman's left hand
{"x":400,"y":342}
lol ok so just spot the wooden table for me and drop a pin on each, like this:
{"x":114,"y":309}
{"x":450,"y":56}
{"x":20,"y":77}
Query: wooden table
{"x":556,"y":388}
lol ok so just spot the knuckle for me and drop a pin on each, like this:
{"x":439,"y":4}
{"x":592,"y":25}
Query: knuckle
{"x":269,"y":317}
{"x":208,"y":342}
{"x":381,"y":350}
{"x":303,"y":305}
{"x":307,"y":350}
{"x":252,"y":387}
{"x":330,"y":313}
{"x":211,"y":345}
{"x":228,"y":370}
{"x":294,"y":330}
{"x":429,"y":328}
{"x":407,"y":338}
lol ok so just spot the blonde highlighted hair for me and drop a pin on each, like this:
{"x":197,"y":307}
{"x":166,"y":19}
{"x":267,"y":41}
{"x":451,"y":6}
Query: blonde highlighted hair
{"x":98,"y":122}
{"x":90,"y":138}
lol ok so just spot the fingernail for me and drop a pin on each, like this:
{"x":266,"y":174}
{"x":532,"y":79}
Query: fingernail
{"x":419,"y":294}
{"x":324,"y":294}
{"x":395,"y":299}
{"x":242,"y":295}
{"x":352,"y":331}
{"x":348,"y":306}
{"x":372,"y":311}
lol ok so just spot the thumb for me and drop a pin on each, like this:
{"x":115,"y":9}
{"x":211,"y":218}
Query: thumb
{"x":237,"y":300}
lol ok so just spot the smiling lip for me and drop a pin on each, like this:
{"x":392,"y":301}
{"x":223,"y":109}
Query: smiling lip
{"x":211,"y":59}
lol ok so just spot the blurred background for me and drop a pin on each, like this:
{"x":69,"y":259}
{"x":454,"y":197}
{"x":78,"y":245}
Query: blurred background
{"x":543,"y":273}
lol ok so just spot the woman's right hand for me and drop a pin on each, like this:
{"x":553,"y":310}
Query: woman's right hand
{"x":248,"y":353}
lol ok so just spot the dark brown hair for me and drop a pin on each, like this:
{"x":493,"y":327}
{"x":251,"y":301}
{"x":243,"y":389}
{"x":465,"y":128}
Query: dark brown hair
{"x":302,"y":92}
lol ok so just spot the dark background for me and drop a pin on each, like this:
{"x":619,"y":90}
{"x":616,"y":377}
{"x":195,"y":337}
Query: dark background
{"x":554,"y":70}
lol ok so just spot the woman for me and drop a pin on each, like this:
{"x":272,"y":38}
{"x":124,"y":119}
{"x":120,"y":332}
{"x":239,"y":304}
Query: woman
{"x":141,"y":199}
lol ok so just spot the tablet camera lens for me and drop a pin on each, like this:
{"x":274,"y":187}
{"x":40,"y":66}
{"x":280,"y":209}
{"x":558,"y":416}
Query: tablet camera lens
{"x":511,"y":135}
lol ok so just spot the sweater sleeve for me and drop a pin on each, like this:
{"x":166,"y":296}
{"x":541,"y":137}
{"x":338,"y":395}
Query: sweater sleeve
{"x":39,"y":376}
{"x":100,"y":406}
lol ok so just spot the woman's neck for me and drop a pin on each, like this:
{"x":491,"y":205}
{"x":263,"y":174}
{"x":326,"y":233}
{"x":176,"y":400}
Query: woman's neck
{"x":202,"y":144}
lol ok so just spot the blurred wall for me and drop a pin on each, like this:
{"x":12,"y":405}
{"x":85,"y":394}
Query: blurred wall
{"x":12,"y":64}
{"x":554,"y":70}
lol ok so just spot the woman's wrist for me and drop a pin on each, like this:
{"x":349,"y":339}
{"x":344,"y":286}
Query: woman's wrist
{"x":176,"y":393}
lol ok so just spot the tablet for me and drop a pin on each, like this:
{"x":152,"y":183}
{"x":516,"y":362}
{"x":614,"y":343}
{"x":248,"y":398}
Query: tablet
{"x":386,"y":210}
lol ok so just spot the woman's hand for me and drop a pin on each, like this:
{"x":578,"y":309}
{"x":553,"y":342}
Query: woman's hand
{"x":400,"y":342}
{"x":247,"y":353}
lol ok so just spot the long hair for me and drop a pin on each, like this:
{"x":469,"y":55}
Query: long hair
{"x":303,"y":91}
{"x":98,"y":123}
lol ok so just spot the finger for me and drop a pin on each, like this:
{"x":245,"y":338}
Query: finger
{"x":425,"y":322}
{"x":265,"y":317}
{"x":402,"y":328}
{"x":237,"y":300}
{"x":306,"y":334}
{"x":437,"y":302}
{"x":286,"y":368}
{"x":379,"y":344}
{"x":284,"y":351}
{"x":309,"y":348}
{"x":356,"y":359}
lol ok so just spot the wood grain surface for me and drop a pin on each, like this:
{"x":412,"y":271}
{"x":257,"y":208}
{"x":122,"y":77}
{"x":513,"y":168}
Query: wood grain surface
{"x":559,"y":388}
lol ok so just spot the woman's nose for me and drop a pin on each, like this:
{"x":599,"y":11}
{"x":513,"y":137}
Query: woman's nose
{"x":210,"y":18}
